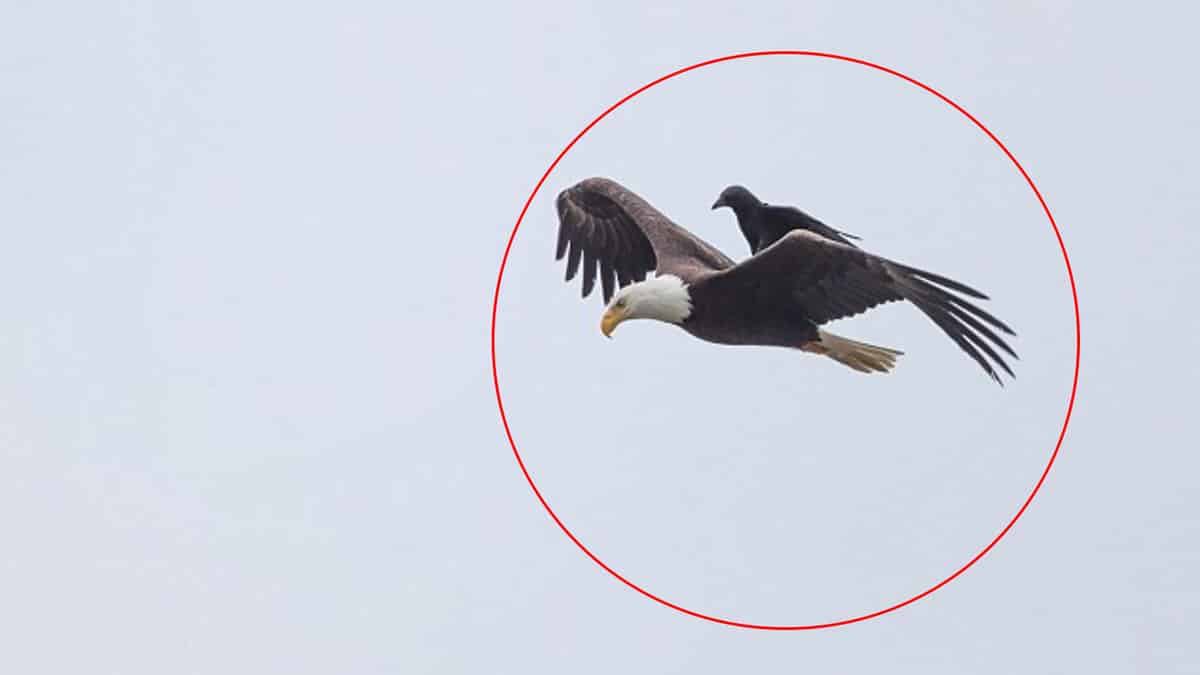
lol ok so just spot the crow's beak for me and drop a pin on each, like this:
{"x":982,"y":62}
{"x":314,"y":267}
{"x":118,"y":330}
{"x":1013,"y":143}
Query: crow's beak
{"x":717,"y":204}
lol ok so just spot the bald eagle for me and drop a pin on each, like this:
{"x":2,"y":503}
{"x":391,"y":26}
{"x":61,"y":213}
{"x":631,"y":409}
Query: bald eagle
{"x":780,"y":296}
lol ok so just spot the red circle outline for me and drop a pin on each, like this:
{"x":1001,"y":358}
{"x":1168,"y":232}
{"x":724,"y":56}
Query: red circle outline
{"x":740,"y":624}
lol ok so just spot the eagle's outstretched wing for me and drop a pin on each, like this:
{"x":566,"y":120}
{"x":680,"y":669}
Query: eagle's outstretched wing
{"x":615,"y":232}
{"x":824,"y":280}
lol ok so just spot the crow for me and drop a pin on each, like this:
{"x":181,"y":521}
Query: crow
{"x":763,"y":224}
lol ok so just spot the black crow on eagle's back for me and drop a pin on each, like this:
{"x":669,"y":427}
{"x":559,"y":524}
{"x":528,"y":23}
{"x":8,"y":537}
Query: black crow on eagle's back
{"x":763,"y":224}
{"x":798,"y":279}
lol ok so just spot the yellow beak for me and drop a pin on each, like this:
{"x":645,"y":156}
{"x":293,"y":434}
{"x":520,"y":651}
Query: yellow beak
{"x":608,"y":323}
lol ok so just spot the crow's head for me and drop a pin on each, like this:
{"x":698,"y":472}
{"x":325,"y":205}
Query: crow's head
{"x":737,"y":198}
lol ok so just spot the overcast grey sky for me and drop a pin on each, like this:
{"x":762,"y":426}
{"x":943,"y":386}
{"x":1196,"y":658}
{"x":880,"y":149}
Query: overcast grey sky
{"x":246,"y":417}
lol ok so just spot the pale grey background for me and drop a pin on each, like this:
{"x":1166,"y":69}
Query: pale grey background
{"x":247,"y":422}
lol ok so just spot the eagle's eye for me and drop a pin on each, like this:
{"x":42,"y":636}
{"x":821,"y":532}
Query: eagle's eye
{"x":621,"y":302}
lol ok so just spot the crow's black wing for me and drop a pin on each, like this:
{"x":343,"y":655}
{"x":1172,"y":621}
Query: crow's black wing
{"x":783,"y":219}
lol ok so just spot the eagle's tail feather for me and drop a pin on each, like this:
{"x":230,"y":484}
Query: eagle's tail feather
{"x":860,"y":356}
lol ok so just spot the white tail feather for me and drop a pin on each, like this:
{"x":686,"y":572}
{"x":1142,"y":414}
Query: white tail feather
{"x":860,"y":356}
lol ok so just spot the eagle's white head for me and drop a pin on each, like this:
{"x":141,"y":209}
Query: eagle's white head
{"x":664,"y":298}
